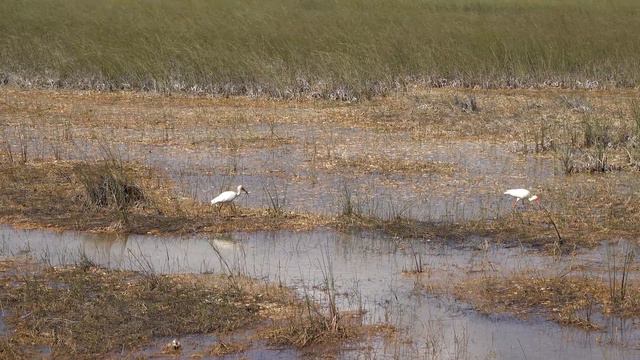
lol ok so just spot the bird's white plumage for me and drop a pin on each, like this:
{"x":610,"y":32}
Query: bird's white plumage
{"x":228,"y":196}
{"x":224,"y":197}
{"x":521,"y":194}
{"x":518,"y":193}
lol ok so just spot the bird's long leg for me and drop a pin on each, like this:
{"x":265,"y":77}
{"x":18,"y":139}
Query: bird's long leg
{"x":514,"y":204}
{"x":233,"y":206}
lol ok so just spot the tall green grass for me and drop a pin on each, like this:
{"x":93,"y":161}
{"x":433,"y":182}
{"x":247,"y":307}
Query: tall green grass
{"x":322,"y":47}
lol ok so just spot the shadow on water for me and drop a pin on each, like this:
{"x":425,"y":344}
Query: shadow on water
{"x":370,"y":277}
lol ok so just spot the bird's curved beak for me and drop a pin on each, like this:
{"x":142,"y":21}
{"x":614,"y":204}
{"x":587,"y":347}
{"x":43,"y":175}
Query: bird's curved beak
{"x":245,"y":191}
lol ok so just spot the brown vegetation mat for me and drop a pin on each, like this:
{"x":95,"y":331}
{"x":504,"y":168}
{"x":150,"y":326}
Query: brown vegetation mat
{"x":565,"y":299}
{"x":535,"y":117}
{"x":88,"y":312}
{"x":60,"y":195}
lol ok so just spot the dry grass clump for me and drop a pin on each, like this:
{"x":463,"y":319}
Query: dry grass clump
{"x":309,"y":326}
{"x":107,"y":184}
{"x":565,"y":299}
{"x":70,"y":195}
{"x":88,"y":311}
{"x":467,"y":103}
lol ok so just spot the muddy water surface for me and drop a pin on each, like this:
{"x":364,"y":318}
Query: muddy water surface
{"x":370,"y":275}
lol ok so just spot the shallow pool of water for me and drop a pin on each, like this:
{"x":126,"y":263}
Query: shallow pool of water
{"x":369,"y":274}
{"x":473,"y":191}
{"x":3,"y":327}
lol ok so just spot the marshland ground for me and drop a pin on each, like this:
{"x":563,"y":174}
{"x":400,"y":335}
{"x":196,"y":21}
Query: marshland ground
{"x":376,"y":171}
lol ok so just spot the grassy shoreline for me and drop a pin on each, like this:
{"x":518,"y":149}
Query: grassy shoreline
{"x":310,"y":48}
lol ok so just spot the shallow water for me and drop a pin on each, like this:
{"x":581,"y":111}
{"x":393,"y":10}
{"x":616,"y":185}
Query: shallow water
{"x":474,"y":191}
{"x":3,"y":327}
{"x":368,"y":275}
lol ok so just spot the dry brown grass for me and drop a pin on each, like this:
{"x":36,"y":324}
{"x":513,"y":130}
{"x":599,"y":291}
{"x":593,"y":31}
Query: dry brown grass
{"x":568,"y":300}
{"x":87,"y":312}
{"x":312,"y":328}
{"x":507,"y":115}
{"x":10,"y":350}
{"x":52,"y":195}
{"x":379,"y":164}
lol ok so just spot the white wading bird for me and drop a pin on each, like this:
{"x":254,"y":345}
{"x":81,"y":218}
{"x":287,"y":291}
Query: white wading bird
{"x":521,"y":194}
{"x":227,"y":197}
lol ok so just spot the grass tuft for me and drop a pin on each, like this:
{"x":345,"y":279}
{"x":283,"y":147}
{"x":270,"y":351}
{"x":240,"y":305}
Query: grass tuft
{"x":107,"y":185}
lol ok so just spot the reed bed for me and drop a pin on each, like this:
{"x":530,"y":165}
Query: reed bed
{"x":313,"y":48}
